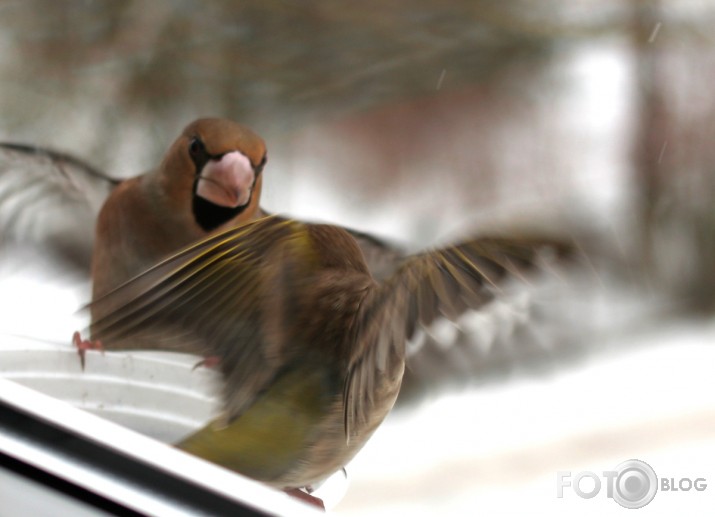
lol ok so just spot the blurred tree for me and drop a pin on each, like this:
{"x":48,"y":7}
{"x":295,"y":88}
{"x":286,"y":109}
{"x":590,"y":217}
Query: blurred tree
{"x":674,"y":158}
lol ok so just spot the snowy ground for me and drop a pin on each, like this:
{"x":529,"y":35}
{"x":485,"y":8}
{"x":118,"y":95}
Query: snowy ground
{"x":497,"y":450}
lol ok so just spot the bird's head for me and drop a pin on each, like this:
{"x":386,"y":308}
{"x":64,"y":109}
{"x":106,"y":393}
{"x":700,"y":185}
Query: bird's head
{"x":214,"y":168}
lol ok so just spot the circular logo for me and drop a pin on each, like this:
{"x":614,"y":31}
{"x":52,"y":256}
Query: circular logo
{"x":636,"y":484}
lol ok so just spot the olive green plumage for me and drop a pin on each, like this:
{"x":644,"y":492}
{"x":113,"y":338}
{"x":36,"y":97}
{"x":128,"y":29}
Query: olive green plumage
{"x":310,"y":345}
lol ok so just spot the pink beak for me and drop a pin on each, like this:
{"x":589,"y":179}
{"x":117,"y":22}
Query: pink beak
{"x":227,"y":182}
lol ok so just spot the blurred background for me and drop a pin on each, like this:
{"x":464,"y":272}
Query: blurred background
{"x":420,"y":121}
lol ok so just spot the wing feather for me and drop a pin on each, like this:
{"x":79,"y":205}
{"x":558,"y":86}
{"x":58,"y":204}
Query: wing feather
{"x":213,"y":292}
{"x":434,"y":284}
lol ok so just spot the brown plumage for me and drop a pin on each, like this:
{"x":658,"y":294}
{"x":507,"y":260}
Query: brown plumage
{"x":150,"y":216}
{"x":311,"y":346}
{"x":209,"y":179}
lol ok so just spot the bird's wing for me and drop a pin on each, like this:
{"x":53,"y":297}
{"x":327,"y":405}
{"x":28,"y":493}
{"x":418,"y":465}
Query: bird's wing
{"x":49,"y":201}
{"x":225,"y":292}
{"x":438,"y":284}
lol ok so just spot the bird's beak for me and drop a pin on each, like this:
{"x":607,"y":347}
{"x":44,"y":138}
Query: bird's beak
{"x":228,"y":181}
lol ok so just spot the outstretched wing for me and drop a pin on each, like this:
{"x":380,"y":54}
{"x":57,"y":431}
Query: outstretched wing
{"x":224,"y":293}
{"x":442,"y":283}
{"x":49,"y":202}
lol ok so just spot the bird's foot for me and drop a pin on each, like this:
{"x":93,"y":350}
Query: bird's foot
{"x":211,"y":361}
{"x":305,"y":497}
{"x":83,"y":345}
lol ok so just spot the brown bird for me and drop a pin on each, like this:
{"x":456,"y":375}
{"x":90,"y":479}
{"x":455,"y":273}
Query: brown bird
{"x":311,"y":346}
{"x":308,"y":323}
{"x":209,"y":179}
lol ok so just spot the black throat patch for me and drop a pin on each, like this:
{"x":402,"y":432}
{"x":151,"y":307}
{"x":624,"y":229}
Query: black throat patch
{"x":210,"y":216}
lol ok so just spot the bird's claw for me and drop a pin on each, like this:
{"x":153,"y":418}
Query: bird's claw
{"x":211,"y":361}
{"x":82,"y":345}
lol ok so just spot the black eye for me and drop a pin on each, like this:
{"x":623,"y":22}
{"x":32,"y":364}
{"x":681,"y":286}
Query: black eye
{"x":196,"y":148}
{"x":263,"y":162}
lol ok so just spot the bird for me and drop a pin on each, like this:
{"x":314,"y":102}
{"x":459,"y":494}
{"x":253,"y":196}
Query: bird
{"x":210,"y":178}
{"x":311,"y":346}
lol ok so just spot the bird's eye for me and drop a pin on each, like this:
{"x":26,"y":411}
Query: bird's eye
{"x":196,"y":147}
